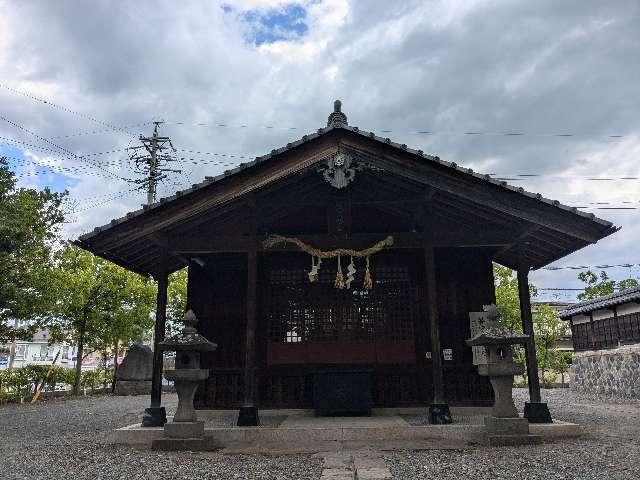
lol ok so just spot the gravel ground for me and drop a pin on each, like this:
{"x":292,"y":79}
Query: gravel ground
{"x":609,"y":450}
{"x":66,"y":439}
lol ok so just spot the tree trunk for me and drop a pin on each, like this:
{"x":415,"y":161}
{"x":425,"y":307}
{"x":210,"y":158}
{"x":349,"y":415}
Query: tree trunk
{"x":115,"y":366}
{"x":79,"y":355}
{"x":13,"y":347}
{"x":105,"y":356}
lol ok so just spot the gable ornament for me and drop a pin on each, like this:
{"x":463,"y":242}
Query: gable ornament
{"x":340,"y":170}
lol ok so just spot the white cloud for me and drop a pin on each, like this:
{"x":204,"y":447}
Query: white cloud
{"x":443,"y":66}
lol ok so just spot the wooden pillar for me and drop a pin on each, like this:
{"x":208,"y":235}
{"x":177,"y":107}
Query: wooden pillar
{"x":439,"y":409}
{"x":248,"y":414}
{"x":155,"y":415}
{"x":617,"y":324}
{"x":535,"y":410}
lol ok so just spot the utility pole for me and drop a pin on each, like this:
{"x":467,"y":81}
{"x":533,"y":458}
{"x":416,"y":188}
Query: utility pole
{"x":151,"y":160}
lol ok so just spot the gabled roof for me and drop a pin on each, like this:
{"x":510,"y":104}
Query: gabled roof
{"x":337,"y":125}
{"x":617,"y":298}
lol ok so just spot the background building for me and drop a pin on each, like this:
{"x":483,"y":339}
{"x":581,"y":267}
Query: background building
{"x":606,"y":339}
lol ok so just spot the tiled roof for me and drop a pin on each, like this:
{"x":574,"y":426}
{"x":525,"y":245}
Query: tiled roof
{"x":321,"y":131}
{"x":618,"y":298}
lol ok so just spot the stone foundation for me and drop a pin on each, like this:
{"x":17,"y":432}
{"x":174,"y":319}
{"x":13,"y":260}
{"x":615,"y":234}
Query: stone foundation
{"x":614,"y":372}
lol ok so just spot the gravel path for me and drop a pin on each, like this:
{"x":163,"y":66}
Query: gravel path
{"x":66,"y":439}
{"x":610,"y":449}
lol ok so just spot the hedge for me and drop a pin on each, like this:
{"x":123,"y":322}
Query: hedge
{"x":19,"y":384}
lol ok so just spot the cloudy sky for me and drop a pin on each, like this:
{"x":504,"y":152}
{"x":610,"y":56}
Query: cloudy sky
{"x":233,"y":79}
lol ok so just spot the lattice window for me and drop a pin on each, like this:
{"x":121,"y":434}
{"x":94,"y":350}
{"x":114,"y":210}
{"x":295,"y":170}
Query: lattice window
{"x":299,"y":311}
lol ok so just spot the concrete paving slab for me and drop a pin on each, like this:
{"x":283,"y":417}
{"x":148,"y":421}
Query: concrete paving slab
{"x":337,"y":474}
{"x":373,"y":474}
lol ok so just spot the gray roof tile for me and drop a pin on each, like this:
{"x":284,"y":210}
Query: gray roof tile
{"x":305,"y":138}
{"x":617,"y":298}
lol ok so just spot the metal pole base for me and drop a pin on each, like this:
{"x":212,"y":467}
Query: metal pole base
{"x":154,"y":417}
{"x":248,"y":416}
{"x":537,"y":412}
{"x":439,"y":414}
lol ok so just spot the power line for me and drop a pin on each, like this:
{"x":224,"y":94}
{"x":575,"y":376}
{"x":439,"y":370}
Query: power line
{"x":65,"y":150}
{"x":99,"y":203}
{"x":222,"y":124}
{"x":586,"y":267}
{"x":98,"y":132}
{"x":64,"y":109}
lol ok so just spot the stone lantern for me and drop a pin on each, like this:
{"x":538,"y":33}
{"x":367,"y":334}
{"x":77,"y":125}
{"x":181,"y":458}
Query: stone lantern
{"x":186,"y":376}
{"x":504,"y":425}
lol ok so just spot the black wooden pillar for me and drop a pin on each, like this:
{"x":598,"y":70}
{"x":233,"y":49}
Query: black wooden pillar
{"x":535,"y":410}
{"x":248,"y":414}
{"x":155,"y":415}
{"x":439,"y":409}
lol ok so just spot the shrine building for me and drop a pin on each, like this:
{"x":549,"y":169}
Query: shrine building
{"x":343,"y":266}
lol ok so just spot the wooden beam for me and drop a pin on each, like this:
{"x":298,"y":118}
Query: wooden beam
{"x":477,"y":192}
{"x":220,"y":193}
{"x":524,"y":233}
{"x":242,"y":243}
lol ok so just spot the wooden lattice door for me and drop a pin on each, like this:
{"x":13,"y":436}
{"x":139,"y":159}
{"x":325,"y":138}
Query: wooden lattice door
{"x":316,"y":323}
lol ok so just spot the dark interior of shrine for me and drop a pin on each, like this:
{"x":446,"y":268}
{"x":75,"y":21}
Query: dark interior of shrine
{"x":304,"y":327}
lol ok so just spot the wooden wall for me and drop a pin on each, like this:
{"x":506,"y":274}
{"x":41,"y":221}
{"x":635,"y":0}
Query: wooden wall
{"x":217,"y":292}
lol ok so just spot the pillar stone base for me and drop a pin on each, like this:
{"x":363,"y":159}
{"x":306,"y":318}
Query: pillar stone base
{"x":154,"y":417}
{"x":184,"y":429}
{"x":537,"y":412}
{"x":439,"y":414}
{"x":248,"y":416}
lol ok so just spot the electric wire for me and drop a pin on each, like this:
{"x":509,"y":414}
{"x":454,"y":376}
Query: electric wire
{"x":46,"y":140}
{"x":222,"y":124}
{"x":64,"y":109}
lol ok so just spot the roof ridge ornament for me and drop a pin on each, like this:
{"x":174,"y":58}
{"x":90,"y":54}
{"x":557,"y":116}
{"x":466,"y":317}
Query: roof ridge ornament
{"x":337,"y":118}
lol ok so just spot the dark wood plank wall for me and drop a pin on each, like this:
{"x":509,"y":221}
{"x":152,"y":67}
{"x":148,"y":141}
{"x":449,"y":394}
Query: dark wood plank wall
{"x":217,"y":293}
{"x":606,"y":333}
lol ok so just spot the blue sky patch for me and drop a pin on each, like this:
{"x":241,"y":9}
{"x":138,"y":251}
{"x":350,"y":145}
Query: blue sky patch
{"x":47,"y":176}
{"x":286,"y":22}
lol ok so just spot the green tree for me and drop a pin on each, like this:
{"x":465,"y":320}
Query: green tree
{"x":547,"y":326}
{"x":601,"y":285}
{"x":130,"y":317}
{"x":29,"y":225}
{"x":176,"y":299}
{"x":549,"y":329}
{"x":100,"y":305}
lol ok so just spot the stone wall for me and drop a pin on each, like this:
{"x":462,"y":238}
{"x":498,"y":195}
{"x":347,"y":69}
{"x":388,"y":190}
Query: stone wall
{"x":613,"y":372}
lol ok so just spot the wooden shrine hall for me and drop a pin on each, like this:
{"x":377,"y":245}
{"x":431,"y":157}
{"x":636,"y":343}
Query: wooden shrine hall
{"x":342,"y":268}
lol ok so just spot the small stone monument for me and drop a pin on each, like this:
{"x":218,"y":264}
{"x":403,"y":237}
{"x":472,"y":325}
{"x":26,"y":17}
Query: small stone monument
{"x":133,"y":376}
{"x":185,"y":431}
{"x":504,"y":426}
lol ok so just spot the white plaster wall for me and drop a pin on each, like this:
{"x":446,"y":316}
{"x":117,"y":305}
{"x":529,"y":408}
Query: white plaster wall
{"x":577,"y":319}
{"x":627,"y":308}
{"x":602,"y":314}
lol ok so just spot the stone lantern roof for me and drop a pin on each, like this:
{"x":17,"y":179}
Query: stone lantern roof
{"x":188,"y":338}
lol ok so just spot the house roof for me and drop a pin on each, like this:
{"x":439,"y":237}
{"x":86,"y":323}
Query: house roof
{"x":337,"y":125}
{"x":617,"y":298}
